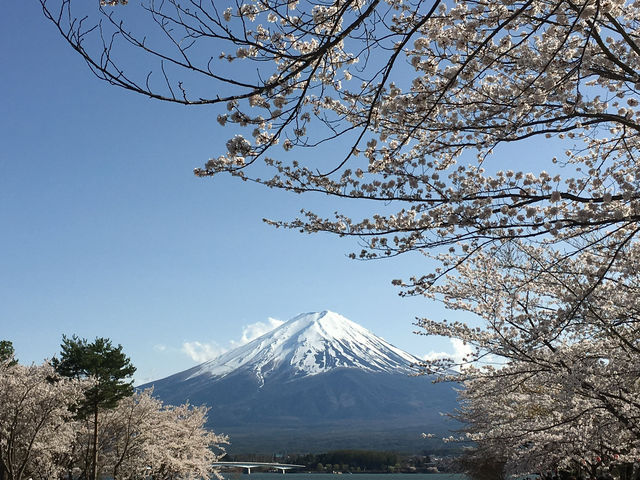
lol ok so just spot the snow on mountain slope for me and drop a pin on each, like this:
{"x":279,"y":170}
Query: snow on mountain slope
{"x":309,"y":344}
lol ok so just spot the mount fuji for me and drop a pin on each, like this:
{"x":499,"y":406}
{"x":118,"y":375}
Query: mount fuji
{"x":317,"y":382}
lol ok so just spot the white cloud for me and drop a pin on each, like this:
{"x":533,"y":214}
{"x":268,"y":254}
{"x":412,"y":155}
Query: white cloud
{"x":137,"y":381}
{"x":202,"y":351}
{"x":460,"y":351}
{"x":255,"y":330}
{"x":160,"y":347}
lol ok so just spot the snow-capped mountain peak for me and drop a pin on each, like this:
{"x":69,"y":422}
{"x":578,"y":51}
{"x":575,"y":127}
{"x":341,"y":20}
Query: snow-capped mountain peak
{"x":309,"y":344}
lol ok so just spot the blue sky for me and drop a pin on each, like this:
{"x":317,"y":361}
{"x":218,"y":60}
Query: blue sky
{"x":106,"y":232}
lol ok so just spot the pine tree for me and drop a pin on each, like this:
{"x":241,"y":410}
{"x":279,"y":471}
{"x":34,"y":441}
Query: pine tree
{"x":7,"y":353}
{"x":108,"y":367}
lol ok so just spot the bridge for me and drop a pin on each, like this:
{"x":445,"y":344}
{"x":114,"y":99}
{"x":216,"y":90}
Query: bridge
{"x":249,"y":465}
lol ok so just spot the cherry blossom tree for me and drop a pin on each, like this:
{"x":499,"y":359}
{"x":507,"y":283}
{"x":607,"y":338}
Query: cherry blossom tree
{"x":41,"y":439}
{"x":568,"y":333}
{"x":35,"y":422}
{"x":418,"y":96}
{"x":416,"y":104}
{"x":142,"y":437}
{"x":412,"y":87}
{"x":539,"y":427}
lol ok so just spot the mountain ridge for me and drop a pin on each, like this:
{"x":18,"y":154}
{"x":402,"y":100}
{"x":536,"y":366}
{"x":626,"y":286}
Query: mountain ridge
{"x":317,"y":376}
{"x":309,"y":344}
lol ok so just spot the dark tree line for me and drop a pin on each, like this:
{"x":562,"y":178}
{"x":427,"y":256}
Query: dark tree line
{"x":349,"y":460}
{"x":364,"y":459}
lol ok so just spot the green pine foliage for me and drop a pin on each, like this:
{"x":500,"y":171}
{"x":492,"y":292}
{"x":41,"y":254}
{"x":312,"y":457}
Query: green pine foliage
{"x":110,"y":370}
{"x":100,"y":361}
{"x":7,"y":353}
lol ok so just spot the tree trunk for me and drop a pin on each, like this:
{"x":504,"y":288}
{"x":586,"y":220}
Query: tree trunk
{"x":94,"y":471}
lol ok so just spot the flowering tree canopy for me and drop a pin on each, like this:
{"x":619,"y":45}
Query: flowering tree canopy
{"x":421,"y":94}
{"x":411,"y":86}
{"x":35,"y":421}
{"x":143,"y":437}
{"x":570,"y":384}
{"x":422,"y":98}
{"x":139,"y":437}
